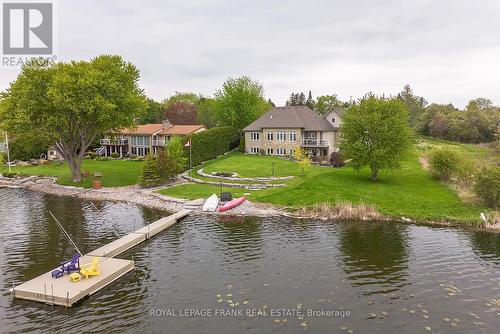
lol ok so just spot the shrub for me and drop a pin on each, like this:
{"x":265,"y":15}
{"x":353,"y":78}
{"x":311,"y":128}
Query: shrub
{"x":3,"y":158}
{"x":242,"y":144}
{"x":443,"y":163}
{"x":92,"y":155}
{"x":487,"y":186}
{"x":150,"y":176}
{"x":115,"y":155}
{"x":465,"y":172}
{"x":26,"y":147}
{"x":9,"y":175}
{"x":211,"y":143}
{"x":336,"y":160}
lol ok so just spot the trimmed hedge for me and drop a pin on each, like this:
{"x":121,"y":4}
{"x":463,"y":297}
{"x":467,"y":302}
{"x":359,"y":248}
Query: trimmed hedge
{"x":211,"y":143}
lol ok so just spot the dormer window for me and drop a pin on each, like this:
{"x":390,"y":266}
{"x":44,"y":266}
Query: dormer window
{"x":333,"y":119}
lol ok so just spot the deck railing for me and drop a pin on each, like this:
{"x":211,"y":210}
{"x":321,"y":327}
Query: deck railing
{"x":314,"y":142}
{"x":107,"y":141}
{"x":158,"y":142}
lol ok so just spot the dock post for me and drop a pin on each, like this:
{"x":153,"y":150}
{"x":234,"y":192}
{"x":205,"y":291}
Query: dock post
{"x":45,"y":292}
{"x":67,"y":298}
{"x":52,"y":292}
{"x":13,"y":289}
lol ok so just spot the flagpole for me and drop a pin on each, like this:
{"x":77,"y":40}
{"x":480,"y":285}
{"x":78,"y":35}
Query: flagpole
{"x":8,"y":150}
{"x":190,"y":157}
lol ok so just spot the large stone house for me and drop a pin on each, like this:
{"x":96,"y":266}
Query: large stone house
{"x":143,"y":139}
{"x":281,"y":129}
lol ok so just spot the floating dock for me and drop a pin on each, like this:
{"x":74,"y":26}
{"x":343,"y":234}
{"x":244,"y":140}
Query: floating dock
{"x":62,"y":291}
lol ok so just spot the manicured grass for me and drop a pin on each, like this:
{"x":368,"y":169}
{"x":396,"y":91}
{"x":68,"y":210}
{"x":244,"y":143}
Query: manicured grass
{"x":251,"y":166}
{"x":116,"y":173}
{"x":408,"y":192}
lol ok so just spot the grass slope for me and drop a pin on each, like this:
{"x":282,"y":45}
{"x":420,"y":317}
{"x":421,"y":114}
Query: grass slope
{"x":409,"y":192}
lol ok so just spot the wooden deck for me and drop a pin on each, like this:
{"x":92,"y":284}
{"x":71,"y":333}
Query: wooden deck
{"x":63,"y":292}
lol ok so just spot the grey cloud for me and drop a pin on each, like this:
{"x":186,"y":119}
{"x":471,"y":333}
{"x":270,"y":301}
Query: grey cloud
{"x":447,"y":50}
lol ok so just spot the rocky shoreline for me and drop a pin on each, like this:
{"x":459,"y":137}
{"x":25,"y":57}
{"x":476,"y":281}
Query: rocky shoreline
{"x":134,"y":194}
{"x":150,"y":198}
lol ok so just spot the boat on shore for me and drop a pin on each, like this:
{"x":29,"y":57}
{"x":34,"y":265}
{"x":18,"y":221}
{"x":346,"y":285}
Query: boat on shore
{"x":232,"y":204}
{"x":211,"y":203}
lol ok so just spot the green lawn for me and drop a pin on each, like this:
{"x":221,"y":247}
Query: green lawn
{"x":116,"y":173}
{"x":408,"y":192}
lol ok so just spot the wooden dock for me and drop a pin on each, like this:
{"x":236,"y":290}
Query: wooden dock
{"x":63,"y":292}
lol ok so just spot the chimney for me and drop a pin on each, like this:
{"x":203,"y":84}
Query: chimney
{"x":166,"y":124}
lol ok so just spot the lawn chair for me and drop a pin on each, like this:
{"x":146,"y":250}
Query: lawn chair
{"x":71,"y":265}
{"x":90,"y":269}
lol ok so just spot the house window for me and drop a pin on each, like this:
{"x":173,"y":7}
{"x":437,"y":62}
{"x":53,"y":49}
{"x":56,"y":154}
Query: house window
{"x":254,"y":136}
{"x":333,"y":119}
{"x":280,"y":151}
{"x":290,"y":151}
{"x":254,"y":150}
{"x":269,"y":151}
{"x":281,"y":136}
{"x":270,"y":135}
{"x":293,"y":136}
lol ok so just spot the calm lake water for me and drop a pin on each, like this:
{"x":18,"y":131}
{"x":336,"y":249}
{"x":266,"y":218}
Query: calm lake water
{"x":392,"y":278}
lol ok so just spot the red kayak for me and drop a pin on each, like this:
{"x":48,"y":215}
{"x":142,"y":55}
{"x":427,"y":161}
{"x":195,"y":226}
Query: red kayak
{"x":232,"y":204}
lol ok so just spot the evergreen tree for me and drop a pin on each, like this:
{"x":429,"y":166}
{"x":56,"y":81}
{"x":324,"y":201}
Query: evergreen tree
{"x":310,"y":101}
{"x":176,"y":162}
{"x":150,"y":176}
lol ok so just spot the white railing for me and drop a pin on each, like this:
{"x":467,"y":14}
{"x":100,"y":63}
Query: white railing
{"x":314,"y":142}
{"x":159,"y":142}
{"x":107,"y":141}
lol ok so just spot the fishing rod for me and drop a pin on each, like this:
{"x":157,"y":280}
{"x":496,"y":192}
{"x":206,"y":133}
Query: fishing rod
{"x":107,"y":221}
{"x":65,"y":233}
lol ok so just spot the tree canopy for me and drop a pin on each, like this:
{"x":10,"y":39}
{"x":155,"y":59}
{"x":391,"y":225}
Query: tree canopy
{"x":414,"y":104}
{"x":240,"y":102}
{"x":375,"y":133}
{"x":73,"y":103}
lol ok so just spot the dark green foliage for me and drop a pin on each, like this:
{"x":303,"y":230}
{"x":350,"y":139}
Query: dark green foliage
{"x":26,"y":147}
{"x":414,"y":104}
{"x":297,"y":99}
{"x":150,"y":176}
{"x":153,"y":113}
{"x":478,"y":123}
{"x":487,"y":186}
{"x":115,"y":155}
{"x":443,"y":163}
{"x":207,"y":113}
{"x":211,"y":143}
{"x":242,"y":144}
{"x":311,"y":103}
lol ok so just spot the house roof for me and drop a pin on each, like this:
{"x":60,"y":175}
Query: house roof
{"x":338,"y":110}
{"x":146,"y":129}
{"x":181,"y":130}
{"x":151,"y":129}
{"x":291,"y":117}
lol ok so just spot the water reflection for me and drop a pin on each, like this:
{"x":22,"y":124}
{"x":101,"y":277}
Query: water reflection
{"x":375,"y":255}
{"x":274,"y":262}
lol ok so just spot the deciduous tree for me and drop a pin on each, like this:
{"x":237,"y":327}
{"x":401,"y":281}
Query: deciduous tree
{"x":375,"y":133}
{"x":240,"y":102}
{"x":73,"y":103}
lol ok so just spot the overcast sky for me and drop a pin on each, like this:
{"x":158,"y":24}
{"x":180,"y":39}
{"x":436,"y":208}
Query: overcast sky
{"x":448,"y":51}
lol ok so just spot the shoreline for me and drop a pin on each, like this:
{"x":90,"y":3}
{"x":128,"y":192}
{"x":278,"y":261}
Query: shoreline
{"x":149,"y":198}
